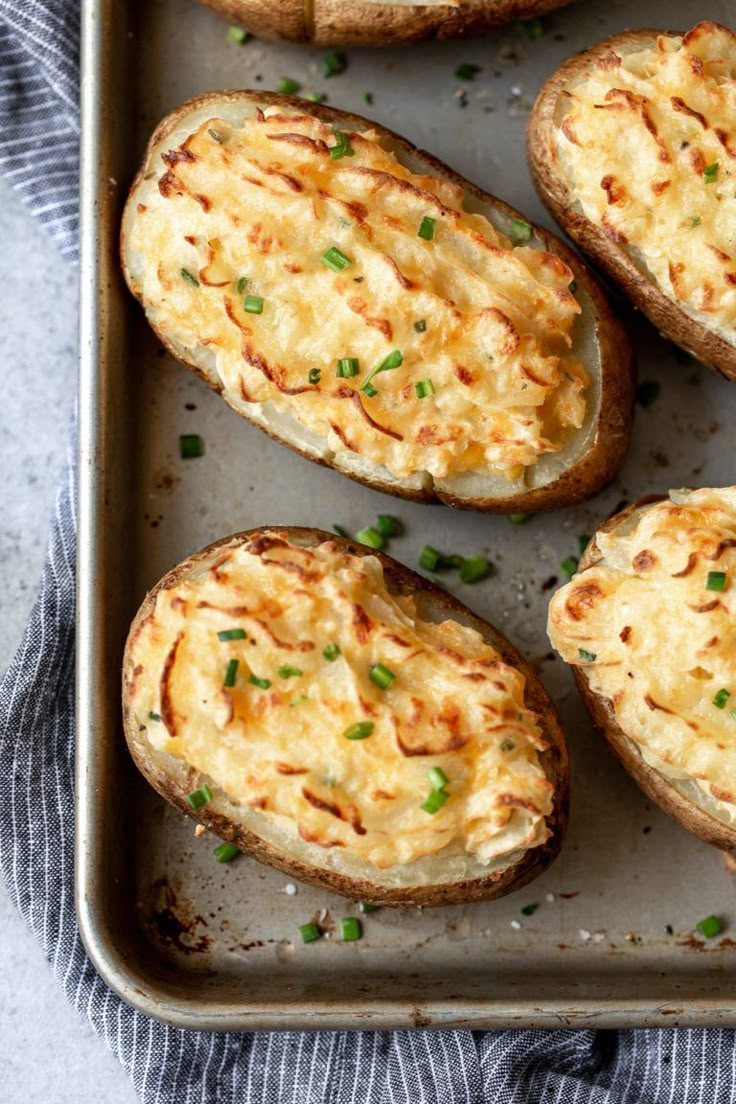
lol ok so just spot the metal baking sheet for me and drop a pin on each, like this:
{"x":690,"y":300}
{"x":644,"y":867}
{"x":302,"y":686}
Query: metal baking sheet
{"x":209,"y":946}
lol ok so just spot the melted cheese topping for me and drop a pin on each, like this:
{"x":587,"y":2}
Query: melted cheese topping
{"x":488,"y":324}
{"x":664,"y":645}
{"x":648,"y":140}
{"x":281,"y":747}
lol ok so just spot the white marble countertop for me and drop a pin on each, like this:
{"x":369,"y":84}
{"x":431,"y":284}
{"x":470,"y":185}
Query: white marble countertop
{"x":48,"y":1054}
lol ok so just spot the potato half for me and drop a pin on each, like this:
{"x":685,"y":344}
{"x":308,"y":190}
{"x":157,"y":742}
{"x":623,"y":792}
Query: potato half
{"x":647,"y":624}
{"x":374,"y":22}
{"x":653,"y":202}
{"x":287,"y":252}
{"x":357,"y":727}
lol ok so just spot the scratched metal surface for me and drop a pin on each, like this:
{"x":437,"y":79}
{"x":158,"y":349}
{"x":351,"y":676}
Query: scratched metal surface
{"x":208,"y":945}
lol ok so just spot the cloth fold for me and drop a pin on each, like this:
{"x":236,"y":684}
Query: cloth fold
{"x":39,"y":155}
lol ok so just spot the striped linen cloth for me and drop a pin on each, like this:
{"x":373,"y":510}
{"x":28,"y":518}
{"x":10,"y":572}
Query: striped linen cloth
{"x":38,"y":154}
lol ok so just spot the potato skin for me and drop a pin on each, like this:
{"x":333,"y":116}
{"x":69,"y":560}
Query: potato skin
{"x":400,"y":581}
{"x":555,"y":192}
{"x":356,"y":23}
{"x":592,"y":471}
{"x":657,"y":788}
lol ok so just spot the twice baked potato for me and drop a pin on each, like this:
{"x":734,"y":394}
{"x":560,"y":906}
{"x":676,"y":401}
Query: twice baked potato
{"x":632,"y":146}
{"x":367,"y":307}
{"x":347,"y":721}
{"x":649,"y":627}
{"x":374,"y":22}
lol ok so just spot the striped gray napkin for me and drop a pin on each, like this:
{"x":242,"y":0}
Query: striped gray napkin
{"x":38,"y":154}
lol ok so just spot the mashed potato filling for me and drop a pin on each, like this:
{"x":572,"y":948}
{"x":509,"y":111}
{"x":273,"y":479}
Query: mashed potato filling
{"x":648,"y":140}
{"x":296,"y":682}
{"x":325,"y":278}
{"x":653,"y":625}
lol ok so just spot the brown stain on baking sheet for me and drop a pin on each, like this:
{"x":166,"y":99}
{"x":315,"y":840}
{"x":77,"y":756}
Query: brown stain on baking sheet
{"x":169,"y":924}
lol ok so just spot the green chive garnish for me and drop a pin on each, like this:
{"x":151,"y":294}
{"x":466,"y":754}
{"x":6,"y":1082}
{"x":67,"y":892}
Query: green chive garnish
{"x":534,"y":29}
{"x":331,"y":652}
{"x":368,"y":97}
{"x":710,"y":926}
{"x":350,"y":929}
{"x":365,"y":907}
{"x":154,"y":716}
{"x":286,"y":672}
{"x":716,"y":580}
{"x":429,"y":558}
{"x":710,"y":172}
{"x":315,"y":97}
{"x":529,"y":910}
{"x":253,"y":304}
{"x":466,"y":71}
{"x":569,"y":565}
{"x":361,"y":730}
{"x":191,"y":446}
{"x":424,"y":388}
{"x":309,"y":932}
{"x":381,"y":676}
{"x":420,"y":325}
{"x":393,"y":360}
{"x":388,"y":525}
{"x":342,"y":148}
{"x":721,"y":698}
{"x":231,"y":673}
{"x":434,"y":802}
{"x":333,"y":64}
{"x":190,"y":279}
{"x":583,"y":542}
{"x":335,"y":259}
{"x":347,"y":367}
{"x":238,"y":35}
{"x":474,"y":568}
{"x":288,"y":86}
{"x":426,"y":228}
{"x":437,"y":778}
{"x":242,"y":284}
{"x":297,"y":699}
{"x":589,"y":657}
{"x":315,"y":375}
{"x":370,"y":390}
{"x":232,"y":634}
{"x":371,"y":537}
{"x":647,"y":392}
{"x":341,"y":532}
{"x":520,"y":231}
{"x":261,"y":683}
{"x":695,"y":221}
{"x":200,"y":797}
{"x":225,"y":852}
{"x":507,"y":745}
{"x":518,"y":519}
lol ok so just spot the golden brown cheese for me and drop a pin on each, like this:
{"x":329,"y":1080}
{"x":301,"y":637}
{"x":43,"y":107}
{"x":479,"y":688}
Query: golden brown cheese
{"x":648,"y":140}
{"x":484,"y":327}
{"x":655,"y":640}
{"x":276,"y":740}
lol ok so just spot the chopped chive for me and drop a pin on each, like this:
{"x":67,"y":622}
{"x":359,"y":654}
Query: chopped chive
{"x":420,"y":325}
{"x":315,"y":97}
{"x":335,"y":259}
{"x":238,"y":35}
{"x":253,"y":304}
{"x":589,"y":657}
{"x":288,"y":86}
{"x":361,"y":730}
{"x":232,"y":634}
{"x":315,"y":375}
{"x":507,"y":745}
{"x":426,"y":228}
{"x":583,"y":542}
{"x":342,"y":148}
{"x":429,"y":558}
{"x":347,"y":367}
{"x":231,"y":673}
{"x":225,"y":852}
{"x":721,"y":698}
{"x":434,"y":802}
{"x":331,"y":652}
{"x":518,"y":519}
{"x":569,"y":565}
{"x":424,"y":388}
{"x":709,"y":927}
{"x":371,"y":537}
{"x":200,"y":797}
{"x":466,"y":71}
{"x":261,"y":683}
{"x":533,"y":29}
{"x":350,"y":929}
{"x":572,"y":287}
{"x":333,"y":64}
{"x":341,"y":532}
{"x":309,"y":932}
{"x":381,"y":676}
{"x":297,"y":699}
{"x":242,"y":284}
{"x":154,"y":716}
{"x":388,"y":525}
{"x":520,"y":231}
{"x":437,"y":778}
{"x":716,"y":580}
{"x":191,"y":446}
{"x":286,"y":672}
{"x":368,"y":97}
{"x":647,"y":392}
{"x":366,"y":907}
{"x":529,"y":910}
{"x":695,"y":221}
{"x":394,"y":360}
{"x":710,"y":172}
{"x":190,"y":279}
{"x":474,"y":568}
{"x":370,"y":390}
